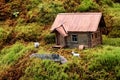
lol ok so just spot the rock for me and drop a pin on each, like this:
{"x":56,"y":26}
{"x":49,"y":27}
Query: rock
{"x":36,"y":44}
{"x":53,"y":57}
{"x":81,"y":47}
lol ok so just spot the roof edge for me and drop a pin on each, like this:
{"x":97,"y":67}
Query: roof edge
{"x":85,"y":13}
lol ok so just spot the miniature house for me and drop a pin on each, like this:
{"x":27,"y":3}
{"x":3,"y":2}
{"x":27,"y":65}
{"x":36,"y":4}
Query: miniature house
{"x":75,"y":29}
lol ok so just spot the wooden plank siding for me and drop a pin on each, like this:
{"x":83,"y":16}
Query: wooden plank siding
{"x":82,"y":39}
{"x":88,"y":39}
{"x":75,"y":29}
{"x":96,"y":38}
{"x":60,"y":40}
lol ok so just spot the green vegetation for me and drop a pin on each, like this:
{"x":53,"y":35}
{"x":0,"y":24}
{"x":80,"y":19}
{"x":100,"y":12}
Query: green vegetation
{"x":111,"y":41}
{"x":10,"y":54}
{"x":49,"y":10}
{"x":47,"y":70}
{"x":49,"y":38}
{"x":43,"y":12}
{"x":96,"y":63}
{"x":3,"y":35}
{"x":24,"y":22}
{"x":30,"y":32}
{"x":88,"y":5}
{"x":107,"y":62}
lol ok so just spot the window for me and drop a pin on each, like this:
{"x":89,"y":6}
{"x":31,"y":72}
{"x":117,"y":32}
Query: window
{"x":74,"y":38}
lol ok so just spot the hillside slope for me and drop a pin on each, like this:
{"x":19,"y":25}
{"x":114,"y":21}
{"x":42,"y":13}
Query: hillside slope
{"x":24,"y":22}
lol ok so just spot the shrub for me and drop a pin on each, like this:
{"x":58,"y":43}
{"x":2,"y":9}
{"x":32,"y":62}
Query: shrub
{"x":87,"y":5}
{"x":117,"y":71}
{"x":106,"y":2}
{"x":112,"y":19}
{"x":105,"y":63}
{"x":115,"y":33}
{"x":49,"y":38}
{"x":3,"y":34}
{"x":107,"y":60}
{"x":11,"y":59}
{"x":33,"y":3}
{"x":30,"y":32}
{"x":50,"y":70}
{"x":111,"y":41}
{"x":9,"y":55}
{"x":48,"y":11}
{"x":71,"y":5}
{"x":45,"y":69}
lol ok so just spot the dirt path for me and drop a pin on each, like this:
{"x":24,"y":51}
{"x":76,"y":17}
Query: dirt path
{"x":16,"y":70}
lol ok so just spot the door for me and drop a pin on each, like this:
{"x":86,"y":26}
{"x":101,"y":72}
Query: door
{"x":60,"y":40}
{"x":57,"y":38}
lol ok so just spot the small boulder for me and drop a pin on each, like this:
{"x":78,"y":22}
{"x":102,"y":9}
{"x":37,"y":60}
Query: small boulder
{"x":81,"y":47}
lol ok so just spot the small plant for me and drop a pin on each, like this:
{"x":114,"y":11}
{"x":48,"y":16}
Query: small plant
{"x":16,"y":14}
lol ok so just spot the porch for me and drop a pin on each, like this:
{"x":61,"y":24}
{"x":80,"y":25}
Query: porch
{"x":58,"y":46}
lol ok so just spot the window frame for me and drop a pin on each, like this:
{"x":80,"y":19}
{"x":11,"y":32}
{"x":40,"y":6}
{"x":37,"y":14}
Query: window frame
{"x":74,"y":38}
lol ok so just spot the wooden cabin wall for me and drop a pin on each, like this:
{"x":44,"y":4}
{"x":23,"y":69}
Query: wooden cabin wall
{"x":82,"y":39}
{"x":96,"y":38}
{"x":88,"y":39}
{"x":60,"y":40}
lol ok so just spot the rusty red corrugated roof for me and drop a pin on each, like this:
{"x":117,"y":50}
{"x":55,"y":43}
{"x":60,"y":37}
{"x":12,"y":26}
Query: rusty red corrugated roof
{"x":78,"y":22}
{"x":62,"y":31}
